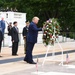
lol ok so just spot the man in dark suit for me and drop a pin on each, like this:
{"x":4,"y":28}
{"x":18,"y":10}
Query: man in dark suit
{"x":1,"y":38}
{"x":9,"y":33}
{"x":15,"y":38}
{"x":31,"y":40}
{"x":24,"y":33}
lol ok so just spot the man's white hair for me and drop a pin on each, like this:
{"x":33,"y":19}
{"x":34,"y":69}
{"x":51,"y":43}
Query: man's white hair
{"x":35,"y":18}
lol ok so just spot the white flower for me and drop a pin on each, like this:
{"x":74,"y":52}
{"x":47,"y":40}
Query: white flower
{"x":47,"y":21}
{"x":44,"y":34}
{"x":49,"y":33}
{"x":46,"y":31}
{"x":47,"y":36}
{"x":47,"y":28}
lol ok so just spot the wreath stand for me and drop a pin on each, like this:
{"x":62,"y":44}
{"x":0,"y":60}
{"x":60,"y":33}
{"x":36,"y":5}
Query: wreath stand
{"x":53,"y":54}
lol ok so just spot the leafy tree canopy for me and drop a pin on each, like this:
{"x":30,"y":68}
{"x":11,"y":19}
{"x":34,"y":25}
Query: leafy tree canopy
{"x":63,"y":10}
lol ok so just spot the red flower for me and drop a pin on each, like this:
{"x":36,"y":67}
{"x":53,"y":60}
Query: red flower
{"x":50,"y":36}
{"x":57,"y":27}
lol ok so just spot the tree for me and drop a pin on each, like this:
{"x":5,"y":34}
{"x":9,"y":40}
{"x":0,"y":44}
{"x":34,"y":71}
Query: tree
{"x":63,"y":10}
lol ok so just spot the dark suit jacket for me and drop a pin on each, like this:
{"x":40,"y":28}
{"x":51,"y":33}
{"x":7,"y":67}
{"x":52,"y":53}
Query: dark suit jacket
{"x":9,"y":30}
{"x":25,"y":31}
{"x":14,"y":34}
{"x":33,"y":33}
{"x":1,"y":36}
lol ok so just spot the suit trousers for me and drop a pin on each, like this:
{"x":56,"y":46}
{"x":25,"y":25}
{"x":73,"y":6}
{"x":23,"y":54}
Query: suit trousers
{"x":0,"y":45}
{"x":14,"y":48}
{"x":24,"y":45}
{"x":29,"y":57}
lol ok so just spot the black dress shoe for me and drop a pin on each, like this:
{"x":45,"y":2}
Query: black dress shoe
{"x":0,"y":56}
{"x":25,"y":60}
{"x":32,"y":63}
{"x":14,"y":54}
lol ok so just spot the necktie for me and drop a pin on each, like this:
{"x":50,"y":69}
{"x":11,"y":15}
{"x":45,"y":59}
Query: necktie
{"x":17,"y":29}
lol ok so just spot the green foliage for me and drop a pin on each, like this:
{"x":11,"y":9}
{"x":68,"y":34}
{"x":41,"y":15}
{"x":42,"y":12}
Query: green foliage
{"x":64,"y":10}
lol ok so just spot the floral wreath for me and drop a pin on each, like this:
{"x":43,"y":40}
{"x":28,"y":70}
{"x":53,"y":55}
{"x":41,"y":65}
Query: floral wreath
{"x":51,"y":31}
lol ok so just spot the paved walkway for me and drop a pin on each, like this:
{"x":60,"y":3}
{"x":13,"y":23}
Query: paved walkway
{"x":14,"y":65}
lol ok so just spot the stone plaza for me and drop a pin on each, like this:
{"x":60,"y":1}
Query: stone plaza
{"x":14,"y":65}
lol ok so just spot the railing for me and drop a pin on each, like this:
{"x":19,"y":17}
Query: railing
{"x":68,"y":34}
{"x":63,"y":37}
{"x":5,"y":41}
